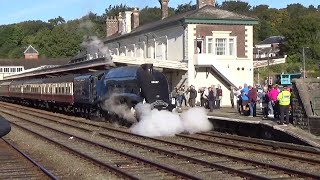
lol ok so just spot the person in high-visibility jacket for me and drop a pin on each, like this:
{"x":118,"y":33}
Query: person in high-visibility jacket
{"x":284,"y":102}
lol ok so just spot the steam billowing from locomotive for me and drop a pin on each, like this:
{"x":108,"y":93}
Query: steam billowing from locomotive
{"x":165,"y":123}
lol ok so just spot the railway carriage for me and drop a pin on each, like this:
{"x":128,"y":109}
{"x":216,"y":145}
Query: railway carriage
{"x":4,"y":89}
{"x":85,"y":94}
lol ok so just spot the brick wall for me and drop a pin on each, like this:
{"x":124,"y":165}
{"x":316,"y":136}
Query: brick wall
{"x":31,"y":56}
{"x":236,"y":30}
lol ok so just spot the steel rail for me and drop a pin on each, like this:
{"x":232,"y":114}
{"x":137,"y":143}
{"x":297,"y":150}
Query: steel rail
{"x":226,"y":144}
{"x":229,"y":156}
{"x":176,"y":172}
{"x":309,"y":160}
{"x":43,"y":169}
{"x":283,"y":145}
{"x":209,"y":152}
{"x":120,"y":172}
{"x":211,"y":165}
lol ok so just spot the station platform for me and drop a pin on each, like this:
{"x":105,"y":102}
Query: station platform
{"x":231,"y":115}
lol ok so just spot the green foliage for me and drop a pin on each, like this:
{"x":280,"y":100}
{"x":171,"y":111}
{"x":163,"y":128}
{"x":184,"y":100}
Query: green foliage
{"x":236,"y":6}
{"x":114,"y":10}
{"x":185,"y":7}
{"x":58,"y":38}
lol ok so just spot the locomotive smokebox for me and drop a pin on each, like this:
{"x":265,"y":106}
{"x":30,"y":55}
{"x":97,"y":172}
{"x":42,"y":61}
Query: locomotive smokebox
{"x":148,"y":68}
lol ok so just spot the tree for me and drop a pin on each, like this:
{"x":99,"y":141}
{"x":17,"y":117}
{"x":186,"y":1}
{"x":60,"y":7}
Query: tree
{"x":184,"y":8}
{"x":148,"y":15}
{"x":296,"y":10}
{"x":57,"y":21}
{"x":236,"y":6}
{"x":114,"y":10}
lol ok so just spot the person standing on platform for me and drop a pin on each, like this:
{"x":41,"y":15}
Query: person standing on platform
{"x":184,"y":99}
{"x":219,"y":96}
{"x":211,"y":98}
{"x":265,"y":102}
{"x":239,"y":101}
{"x":232,"y":96}
{"x":273,"y":94}
{"x":245,"y":98}
{"x":214,"y":90}
{"x":252,"y":94}
{"x":179,"y":97}
{"x":174,"y":94}
{"x":192,"y":96}
{"x":204,"y":96}
{"x":284,"y":102}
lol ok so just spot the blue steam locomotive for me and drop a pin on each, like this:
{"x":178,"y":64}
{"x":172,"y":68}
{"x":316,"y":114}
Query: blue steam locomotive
{"x":86,"y":94}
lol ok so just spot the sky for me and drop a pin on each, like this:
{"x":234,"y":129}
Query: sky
{"x":14,"y":11}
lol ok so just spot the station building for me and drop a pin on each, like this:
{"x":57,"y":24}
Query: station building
{"x":9,"y":70}
{"x":203,"y":47}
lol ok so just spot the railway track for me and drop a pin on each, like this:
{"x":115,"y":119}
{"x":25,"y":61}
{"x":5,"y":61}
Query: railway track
{"x":196,"y":151}
{"x":17,"y":165}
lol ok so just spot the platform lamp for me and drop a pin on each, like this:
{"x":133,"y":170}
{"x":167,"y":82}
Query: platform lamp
{"x":268,"y":54}
{"x":304,"y":62}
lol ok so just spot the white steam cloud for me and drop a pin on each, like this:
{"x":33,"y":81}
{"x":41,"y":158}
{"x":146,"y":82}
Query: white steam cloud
{"x":164,"y":123}
{"x":92,"y":44}
{"x":113,"y":105}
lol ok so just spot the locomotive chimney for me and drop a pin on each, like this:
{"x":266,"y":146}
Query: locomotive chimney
{"x":147,"y":67}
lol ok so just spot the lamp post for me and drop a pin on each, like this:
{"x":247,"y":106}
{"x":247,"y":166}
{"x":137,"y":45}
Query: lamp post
{"x":269,"y":65}
{"x":257,"y":59}
{"x":268,"y":70}
{"x":304,"y":62}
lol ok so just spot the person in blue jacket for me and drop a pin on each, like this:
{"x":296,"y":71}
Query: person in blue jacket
{"x":245,"y":98}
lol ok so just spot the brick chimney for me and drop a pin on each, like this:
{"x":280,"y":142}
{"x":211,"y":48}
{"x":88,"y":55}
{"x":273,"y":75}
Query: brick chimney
{"x":164,"y":8}
{"x":202,"y":3}
{"x":112,"y":25}
{"x":135,"y":18}
{"x":120,"y":24}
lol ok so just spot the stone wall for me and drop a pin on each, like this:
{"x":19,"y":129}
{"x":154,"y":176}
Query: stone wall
{"x":306,"y":104}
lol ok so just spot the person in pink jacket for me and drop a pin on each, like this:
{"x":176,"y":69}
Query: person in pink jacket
{"x":273,"y":94}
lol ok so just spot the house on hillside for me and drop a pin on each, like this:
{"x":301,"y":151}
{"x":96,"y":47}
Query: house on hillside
{"x":203,"y":47}
{"x":31,"y":53}
{"x":272,"y":46}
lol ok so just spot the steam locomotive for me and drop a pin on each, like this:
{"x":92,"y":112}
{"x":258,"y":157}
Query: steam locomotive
{"x":86,"y":94}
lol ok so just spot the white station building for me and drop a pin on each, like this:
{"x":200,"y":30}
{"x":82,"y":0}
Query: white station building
{"x":203,"y":47}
